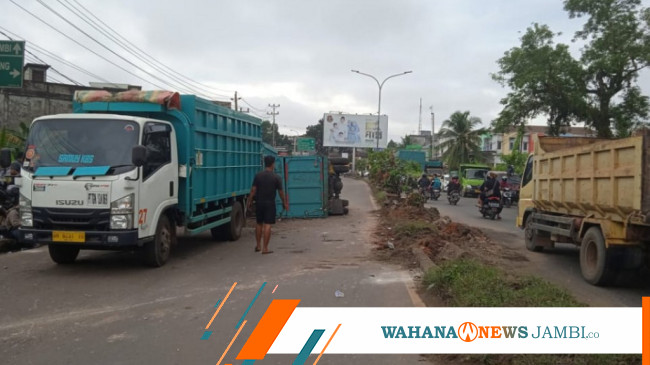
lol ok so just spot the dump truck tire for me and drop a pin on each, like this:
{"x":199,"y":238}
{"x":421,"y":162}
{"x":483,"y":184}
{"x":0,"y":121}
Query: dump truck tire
{"x":234,"y":227}
{"x":156,"y":253}
{"x":341,"y":169}
{"x":596,"y":260}
{"x":531,"y":235}
{"x":63,"y":255}
{"x":338,"y":161}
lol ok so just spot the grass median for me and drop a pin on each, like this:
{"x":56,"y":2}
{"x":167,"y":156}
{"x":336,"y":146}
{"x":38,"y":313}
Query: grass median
{"x":469,"y":283}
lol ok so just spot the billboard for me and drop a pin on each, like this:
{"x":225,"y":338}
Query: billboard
{"x":354,"y":130}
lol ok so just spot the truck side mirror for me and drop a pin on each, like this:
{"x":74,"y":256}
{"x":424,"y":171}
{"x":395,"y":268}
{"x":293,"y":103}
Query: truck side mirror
{"x":5,"y":158}
{"x":139,"y":155}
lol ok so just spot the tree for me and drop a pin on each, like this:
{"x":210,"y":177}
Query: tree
{"x":617,"y":33}
{"x":406,"y":140}
{"x":461,"y":141}
{"x":316,"y":132}
{"x":600,"y":88}
{"x":391,"y":145}
{"x":544,"y":79}
{"x":280,"y":139}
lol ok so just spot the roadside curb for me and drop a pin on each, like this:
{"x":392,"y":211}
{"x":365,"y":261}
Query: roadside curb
{"x":424,"y":261}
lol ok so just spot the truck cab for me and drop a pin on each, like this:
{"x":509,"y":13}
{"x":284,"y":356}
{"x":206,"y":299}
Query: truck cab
{"x":126,"y":169}
{"x":80,"y":185}
{"x":472,"y":177}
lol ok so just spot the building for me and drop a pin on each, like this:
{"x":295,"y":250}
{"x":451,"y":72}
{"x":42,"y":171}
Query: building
{"x":423,"y":140}
{"x":509,"y":139}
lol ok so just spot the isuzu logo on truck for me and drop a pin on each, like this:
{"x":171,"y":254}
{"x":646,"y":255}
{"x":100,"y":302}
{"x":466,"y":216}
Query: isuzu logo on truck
{"x":69,"y":202}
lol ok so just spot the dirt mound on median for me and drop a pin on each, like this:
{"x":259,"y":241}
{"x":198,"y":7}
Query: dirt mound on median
{"x":404,"y":227}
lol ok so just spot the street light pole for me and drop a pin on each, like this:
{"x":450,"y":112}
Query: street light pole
{"x":380,"y":85}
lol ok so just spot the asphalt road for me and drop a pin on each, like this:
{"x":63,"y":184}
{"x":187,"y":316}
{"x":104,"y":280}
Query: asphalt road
{"x":560,"y":265}
{"x":109,"y":309}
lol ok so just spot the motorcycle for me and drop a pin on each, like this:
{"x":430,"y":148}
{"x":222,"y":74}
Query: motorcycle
{"x":491,"y":208}
{"x":507,"y":197}
{"x":424,"y":192}
{"x":453,"y":197}
{"x":435,"y":194}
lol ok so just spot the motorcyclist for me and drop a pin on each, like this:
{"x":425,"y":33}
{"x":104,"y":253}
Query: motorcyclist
{"x":436,"y":183}
{"x":454,"y":185}
{"x":489,"y":189}
{"x":504,"y":183}
{"x":10,"y":220}
{"x":423,"y":182}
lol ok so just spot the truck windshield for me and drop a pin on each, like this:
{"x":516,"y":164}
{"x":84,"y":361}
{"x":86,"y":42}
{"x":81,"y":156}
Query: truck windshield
{"x":81,"y":142}
{"x":475,"y":174}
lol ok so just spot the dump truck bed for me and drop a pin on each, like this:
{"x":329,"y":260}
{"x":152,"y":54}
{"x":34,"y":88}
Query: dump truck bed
{"x":606,"y":179}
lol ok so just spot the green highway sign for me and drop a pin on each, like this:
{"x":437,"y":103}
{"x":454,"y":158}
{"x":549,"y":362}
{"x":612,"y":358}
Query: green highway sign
{"x":305,"y":144}
{"x":12,"y":57}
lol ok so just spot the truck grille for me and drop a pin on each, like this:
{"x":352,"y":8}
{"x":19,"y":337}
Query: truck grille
{"x":72,"y":219}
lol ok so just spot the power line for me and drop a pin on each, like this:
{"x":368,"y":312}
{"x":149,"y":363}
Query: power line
{"x":105,"y":46}
{"x":85,"y":47}
{"x":36,"y":59}
{"x":154,"y":59}
{"x":130,"y":50}
{"x":249,"y":104}
{"x":47,"y":53}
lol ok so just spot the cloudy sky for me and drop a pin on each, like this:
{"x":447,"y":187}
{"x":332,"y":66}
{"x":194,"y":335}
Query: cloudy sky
{"x":299,"y":53}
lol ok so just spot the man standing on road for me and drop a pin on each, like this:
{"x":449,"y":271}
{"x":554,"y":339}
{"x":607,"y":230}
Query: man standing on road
{"x":265,"y":184}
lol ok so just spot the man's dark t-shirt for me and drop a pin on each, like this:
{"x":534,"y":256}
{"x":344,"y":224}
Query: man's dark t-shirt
{"x":267,"y":183}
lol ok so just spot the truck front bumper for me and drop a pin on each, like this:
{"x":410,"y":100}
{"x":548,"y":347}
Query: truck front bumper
{"x":93,"y":239}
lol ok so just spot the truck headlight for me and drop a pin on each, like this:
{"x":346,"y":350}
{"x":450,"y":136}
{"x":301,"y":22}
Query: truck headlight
{"x":25,"y":210}
{"x":122,"y":213}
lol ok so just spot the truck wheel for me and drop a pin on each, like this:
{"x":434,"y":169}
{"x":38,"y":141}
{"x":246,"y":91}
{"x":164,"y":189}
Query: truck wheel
{"x":156,"y":252}
{"x":234,"y":227}
{"x":63,"y":255}
{"x":531,"y":235}
{"x":338,"y":161}
{"x":341,"y":169}
{"x":595,"y":259}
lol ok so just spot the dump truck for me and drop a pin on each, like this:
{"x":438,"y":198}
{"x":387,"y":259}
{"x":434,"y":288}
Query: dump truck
{"x":472,"y":177}
{"x":125,"y":170}
{"x":594,"y":193}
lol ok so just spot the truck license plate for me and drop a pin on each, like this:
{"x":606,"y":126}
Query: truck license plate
{"x":65,"y":236}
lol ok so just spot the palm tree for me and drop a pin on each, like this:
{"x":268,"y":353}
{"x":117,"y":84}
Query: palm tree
{"x":461,"y":142}
{"x":406,"y":140}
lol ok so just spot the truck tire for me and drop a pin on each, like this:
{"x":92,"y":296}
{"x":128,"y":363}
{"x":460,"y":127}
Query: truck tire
{"x":63,"y":255}
{"x":341,"y":169}
{"x":156,"y":252}
{"x":531,"y":235}
{"x":338,"y":161}
{"x":596,"y":260}
{"x":234,"y":227}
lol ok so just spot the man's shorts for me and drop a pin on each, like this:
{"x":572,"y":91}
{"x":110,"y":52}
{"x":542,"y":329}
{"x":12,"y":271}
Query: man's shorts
{"x":265,"y":212}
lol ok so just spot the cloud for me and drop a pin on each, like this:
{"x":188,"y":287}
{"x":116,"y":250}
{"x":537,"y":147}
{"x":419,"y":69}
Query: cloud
{"x":299,"y":53}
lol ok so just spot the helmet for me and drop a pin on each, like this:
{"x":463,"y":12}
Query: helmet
{"x":492,"y":175}
{"x":504,"y":178}
{"x":424,"y":175}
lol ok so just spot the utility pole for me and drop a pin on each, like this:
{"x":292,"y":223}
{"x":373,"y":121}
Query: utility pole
{"x":235,"y":99}
{"x":273,"y":113}
{"x":433,"y":130}
{"x":420,"y":119}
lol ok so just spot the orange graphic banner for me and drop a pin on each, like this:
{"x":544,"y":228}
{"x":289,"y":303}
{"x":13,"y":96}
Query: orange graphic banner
{"x":268,"y":329}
